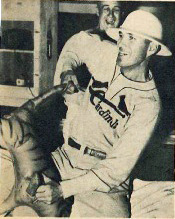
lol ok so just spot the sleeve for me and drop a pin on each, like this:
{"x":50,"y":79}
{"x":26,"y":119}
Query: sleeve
{"x":2,"y":143}
{"x":114,"y":170}
{"x":71,"y":56}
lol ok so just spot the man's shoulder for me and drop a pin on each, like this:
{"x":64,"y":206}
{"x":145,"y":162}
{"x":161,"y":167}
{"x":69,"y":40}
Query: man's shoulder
{"x":92,"y":35}
{"x":84,"y":35}
{"x":150,"y":98}
{"x":92,"y":32}
{"x":89,"y":32}
{"x":146,"y":93}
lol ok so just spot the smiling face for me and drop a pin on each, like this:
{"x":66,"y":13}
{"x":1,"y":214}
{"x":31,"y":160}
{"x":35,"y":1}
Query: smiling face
{"x":133,"y":50}
{"x":109,"y":14}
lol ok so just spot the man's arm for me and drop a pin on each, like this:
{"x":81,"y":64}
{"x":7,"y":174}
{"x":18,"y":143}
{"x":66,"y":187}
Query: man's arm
{"x":71,"y":57}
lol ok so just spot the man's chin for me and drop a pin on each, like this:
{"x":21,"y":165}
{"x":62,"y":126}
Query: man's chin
{"x":110,"y":26}
{"x":122,"y":64}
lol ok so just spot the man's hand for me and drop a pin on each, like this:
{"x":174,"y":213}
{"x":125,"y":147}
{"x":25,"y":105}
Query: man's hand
{"x":49,"y":193}
{"x":69,"y":76}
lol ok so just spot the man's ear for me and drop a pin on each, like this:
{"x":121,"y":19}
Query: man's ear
{"x":153,"y":49}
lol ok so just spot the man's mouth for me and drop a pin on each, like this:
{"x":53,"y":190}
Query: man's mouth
{"x":122,"y":53}
{"x":110,"y":23}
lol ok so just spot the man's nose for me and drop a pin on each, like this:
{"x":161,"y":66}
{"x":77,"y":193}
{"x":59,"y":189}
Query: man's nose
{"x":111,"y":13}
{"x":122,"y":44}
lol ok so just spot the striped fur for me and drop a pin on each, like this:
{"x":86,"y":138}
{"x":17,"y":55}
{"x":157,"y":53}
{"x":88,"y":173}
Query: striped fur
{"x":31,"y":162}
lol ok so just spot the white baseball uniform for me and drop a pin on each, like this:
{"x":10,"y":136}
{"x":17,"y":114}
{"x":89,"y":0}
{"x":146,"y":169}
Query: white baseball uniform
{"x":116,"y":118}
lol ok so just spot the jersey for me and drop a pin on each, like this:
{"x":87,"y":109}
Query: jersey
{"x":116,"y":117}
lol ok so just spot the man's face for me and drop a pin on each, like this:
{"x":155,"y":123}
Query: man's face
{"x":132,"y":50}
{"x":109,"y":14}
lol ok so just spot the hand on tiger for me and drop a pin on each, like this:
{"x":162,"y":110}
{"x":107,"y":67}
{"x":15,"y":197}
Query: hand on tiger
{"x":49,"y":193}
{"x":70,"y":77}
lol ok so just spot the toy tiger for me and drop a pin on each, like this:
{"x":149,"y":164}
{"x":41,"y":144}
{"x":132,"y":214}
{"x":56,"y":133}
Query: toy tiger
{"x":19,"y":135}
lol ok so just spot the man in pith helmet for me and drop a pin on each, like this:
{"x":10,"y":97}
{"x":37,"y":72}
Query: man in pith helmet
{"x":109,"y":132}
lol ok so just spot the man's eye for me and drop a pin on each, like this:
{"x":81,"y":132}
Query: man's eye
{"x":116,"y":11}
{"x":106,"y":9}
{"x":131,"y":37}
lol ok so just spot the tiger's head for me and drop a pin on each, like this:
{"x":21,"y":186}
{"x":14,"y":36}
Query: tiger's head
{"x":12,"y":131}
